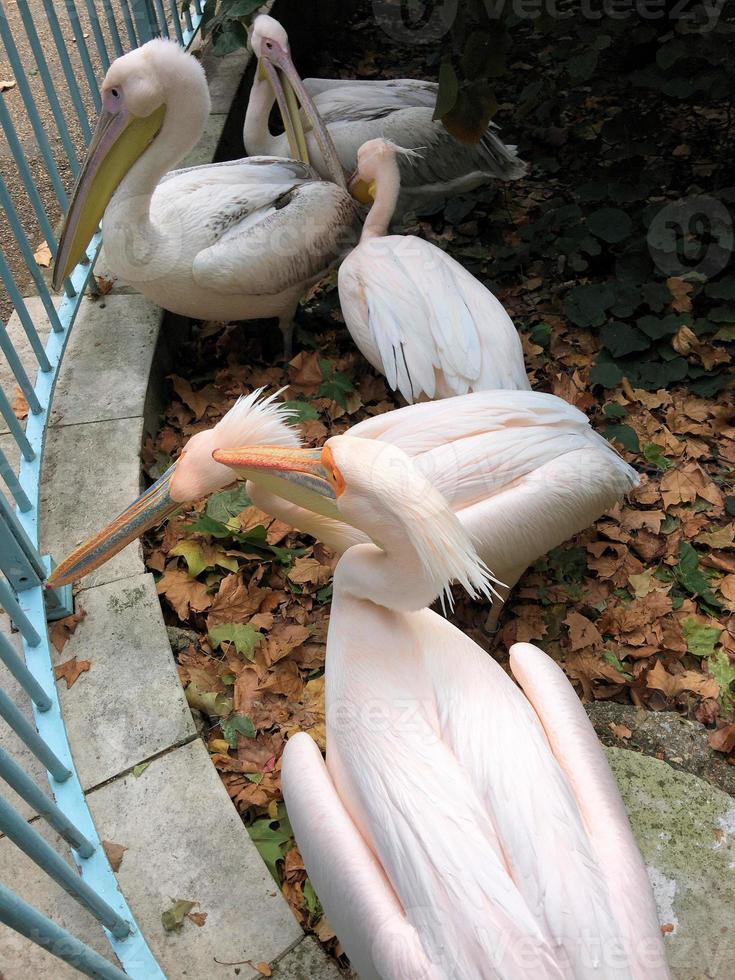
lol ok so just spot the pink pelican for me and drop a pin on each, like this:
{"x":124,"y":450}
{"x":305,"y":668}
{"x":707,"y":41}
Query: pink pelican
{"x":458,"y":829}
{"x":522,"y":471}
{"x":233,"y":241}
{"x":415,"y":314}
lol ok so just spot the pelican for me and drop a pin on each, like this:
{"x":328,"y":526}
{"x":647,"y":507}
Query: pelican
{"x":522,"y":470}
{"x":231,"y":241}
{"x":458,"y":828}
{"x":415,"y":314}
{"x":400,"y":110}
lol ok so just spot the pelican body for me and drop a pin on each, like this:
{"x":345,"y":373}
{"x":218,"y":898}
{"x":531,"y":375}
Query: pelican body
{"x":415,"y":314}
{"x":522,"y":470}
{"x":458,"y":828}
{"x":400,"y":110}
{"x":231,"y":241}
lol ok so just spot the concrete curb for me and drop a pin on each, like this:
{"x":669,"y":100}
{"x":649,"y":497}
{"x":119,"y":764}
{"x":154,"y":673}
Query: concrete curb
{"x":183,"y":837}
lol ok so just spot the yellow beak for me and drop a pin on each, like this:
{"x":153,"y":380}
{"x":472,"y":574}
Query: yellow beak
{"x":297,"y":475}
{"x":119,"y":139}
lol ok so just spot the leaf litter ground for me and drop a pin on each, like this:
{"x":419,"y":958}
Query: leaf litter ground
{"x":638,"y":609}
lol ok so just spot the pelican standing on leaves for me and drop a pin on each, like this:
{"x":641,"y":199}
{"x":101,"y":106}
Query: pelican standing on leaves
{"x":401,"y":110}
{"x":415,"y":314}
{"x":232,"y":241}
{"x":522,"y":470}
{"x":456,"y":830}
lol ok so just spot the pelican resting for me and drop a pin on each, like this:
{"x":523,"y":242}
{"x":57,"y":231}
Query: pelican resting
{"x":459,"y":830}
{"x":522,"y":470}
{"x":232,"y":241}
{"x":400,"y":110}
{"x":417,"y":315}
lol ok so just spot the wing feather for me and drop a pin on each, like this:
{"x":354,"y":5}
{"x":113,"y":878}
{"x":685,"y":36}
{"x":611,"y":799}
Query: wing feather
{"x":288,"y":241}
{"x":418,"y":316}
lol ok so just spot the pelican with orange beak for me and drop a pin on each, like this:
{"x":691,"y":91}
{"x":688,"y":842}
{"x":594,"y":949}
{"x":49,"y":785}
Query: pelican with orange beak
{"x":240,"y":240}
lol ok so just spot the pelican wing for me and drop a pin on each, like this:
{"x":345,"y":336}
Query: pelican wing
{"x":352,"y":887}
{"x":579,"y":754}
{"x":289,"y":240}
{"x":352,"y":100}
{"x":417,"y":315}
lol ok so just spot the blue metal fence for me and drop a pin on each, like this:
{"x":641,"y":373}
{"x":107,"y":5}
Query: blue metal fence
{"x":56,"y":113}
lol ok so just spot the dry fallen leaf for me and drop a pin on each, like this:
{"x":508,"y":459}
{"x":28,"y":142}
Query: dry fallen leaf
{"x":689,"y":680}
{"x":70,"y":670}
{"x":19,"y":404}
{"x":114,"y":853}
{"x":620,"y":731}
{"x":263,"y":969}
{"x":198,"y":918}
{"x":6,"y":84}
{"x":60,"y":631}
{"x":43,"y":255}
{"x":184,"y":593}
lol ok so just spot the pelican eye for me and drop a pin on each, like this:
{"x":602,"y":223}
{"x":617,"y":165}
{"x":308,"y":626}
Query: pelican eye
{"x":333,"y":472}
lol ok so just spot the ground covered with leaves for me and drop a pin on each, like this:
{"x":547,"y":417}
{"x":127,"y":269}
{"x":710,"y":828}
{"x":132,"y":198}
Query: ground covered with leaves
{"x":639,"y":608}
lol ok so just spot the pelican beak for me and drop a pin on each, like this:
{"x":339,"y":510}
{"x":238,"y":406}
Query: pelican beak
{"x":153,"y":507}
{"x":297,"y":475}
{"x":118,"y":141}
{"x":294,"y":93}
{"x":360,"y":189}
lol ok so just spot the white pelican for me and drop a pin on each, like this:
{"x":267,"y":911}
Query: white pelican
{"x":400,"y":110}
{"x":417,"y":315}
{"x":457,"y":831}
{"x":231,"y":241}
{"x":522,"y":470}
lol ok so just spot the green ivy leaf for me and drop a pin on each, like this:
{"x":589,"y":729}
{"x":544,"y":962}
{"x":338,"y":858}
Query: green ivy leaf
{"x":610,"y":224}
{"x":272,"y":838}
{"x":244,"y":637}
{"x":302,"y":411}
{"x":173,"y":918}
{"x":655,"y":455}
{"x":237,"y":725}
{"x":336,"y":384}
{"x":227,"y":504}
{"x":691,"y":577}
{"x":609,"y":657}
{"x":724,"y":673}
{"x":625,"y":435}
{"x":701,"y":640}
{"x":586,"y":305}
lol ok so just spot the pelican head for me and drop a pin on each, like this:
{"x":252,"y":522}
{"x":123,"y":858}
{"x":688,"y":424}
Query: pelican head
{"x":194,"y":475}
{"x":156,"y":94}
{"x":375,"y":487}
{"x":269,"y":41}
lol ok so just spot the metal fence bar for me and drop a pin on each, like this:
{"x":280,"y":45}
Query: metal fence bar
{"x":24,"y":382}
{"x":112,"y":27}
{"x":21,"y":673}
{"x":25,"y":172}
{"x":176,"y":20}
{"x":27,"y":252}
{"x":11,"y":481}
{"x":66,"y":66}
{"x":49,"y":87}
{"x":29,"y":922}
{"x":27,"y":790}
{"x":23,"y":315}
{"x":24,"y":88}
{"x":22,"y":565}
{"x":163,"y":23}
{"x":129,"y":23}
{"x":28,"y":734}
{"x":31,"y":843}
{"x":16,"y":430}
{"x":145,"y":19}
{"x":83,"y":50}
{"x":99,"y":40}
{"x":13,"y":609}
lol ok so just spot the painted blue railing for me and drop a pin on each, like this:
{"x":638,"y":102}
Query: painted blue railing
{"x":101,"y":30}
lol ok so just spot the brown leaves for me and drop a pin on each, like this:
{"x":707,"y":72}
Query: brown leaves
{"x":19,"y":404}
{"x":683,"y":486}
{"x":688,"y":680}
{"x":234,"y":602}
{"x":71,"y":670}
{"x":114,"y":853}
{"x":43,"y":255}
{"x":582,"y":632}
{"x":62,"y":629}
{"x":184,"y":593}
